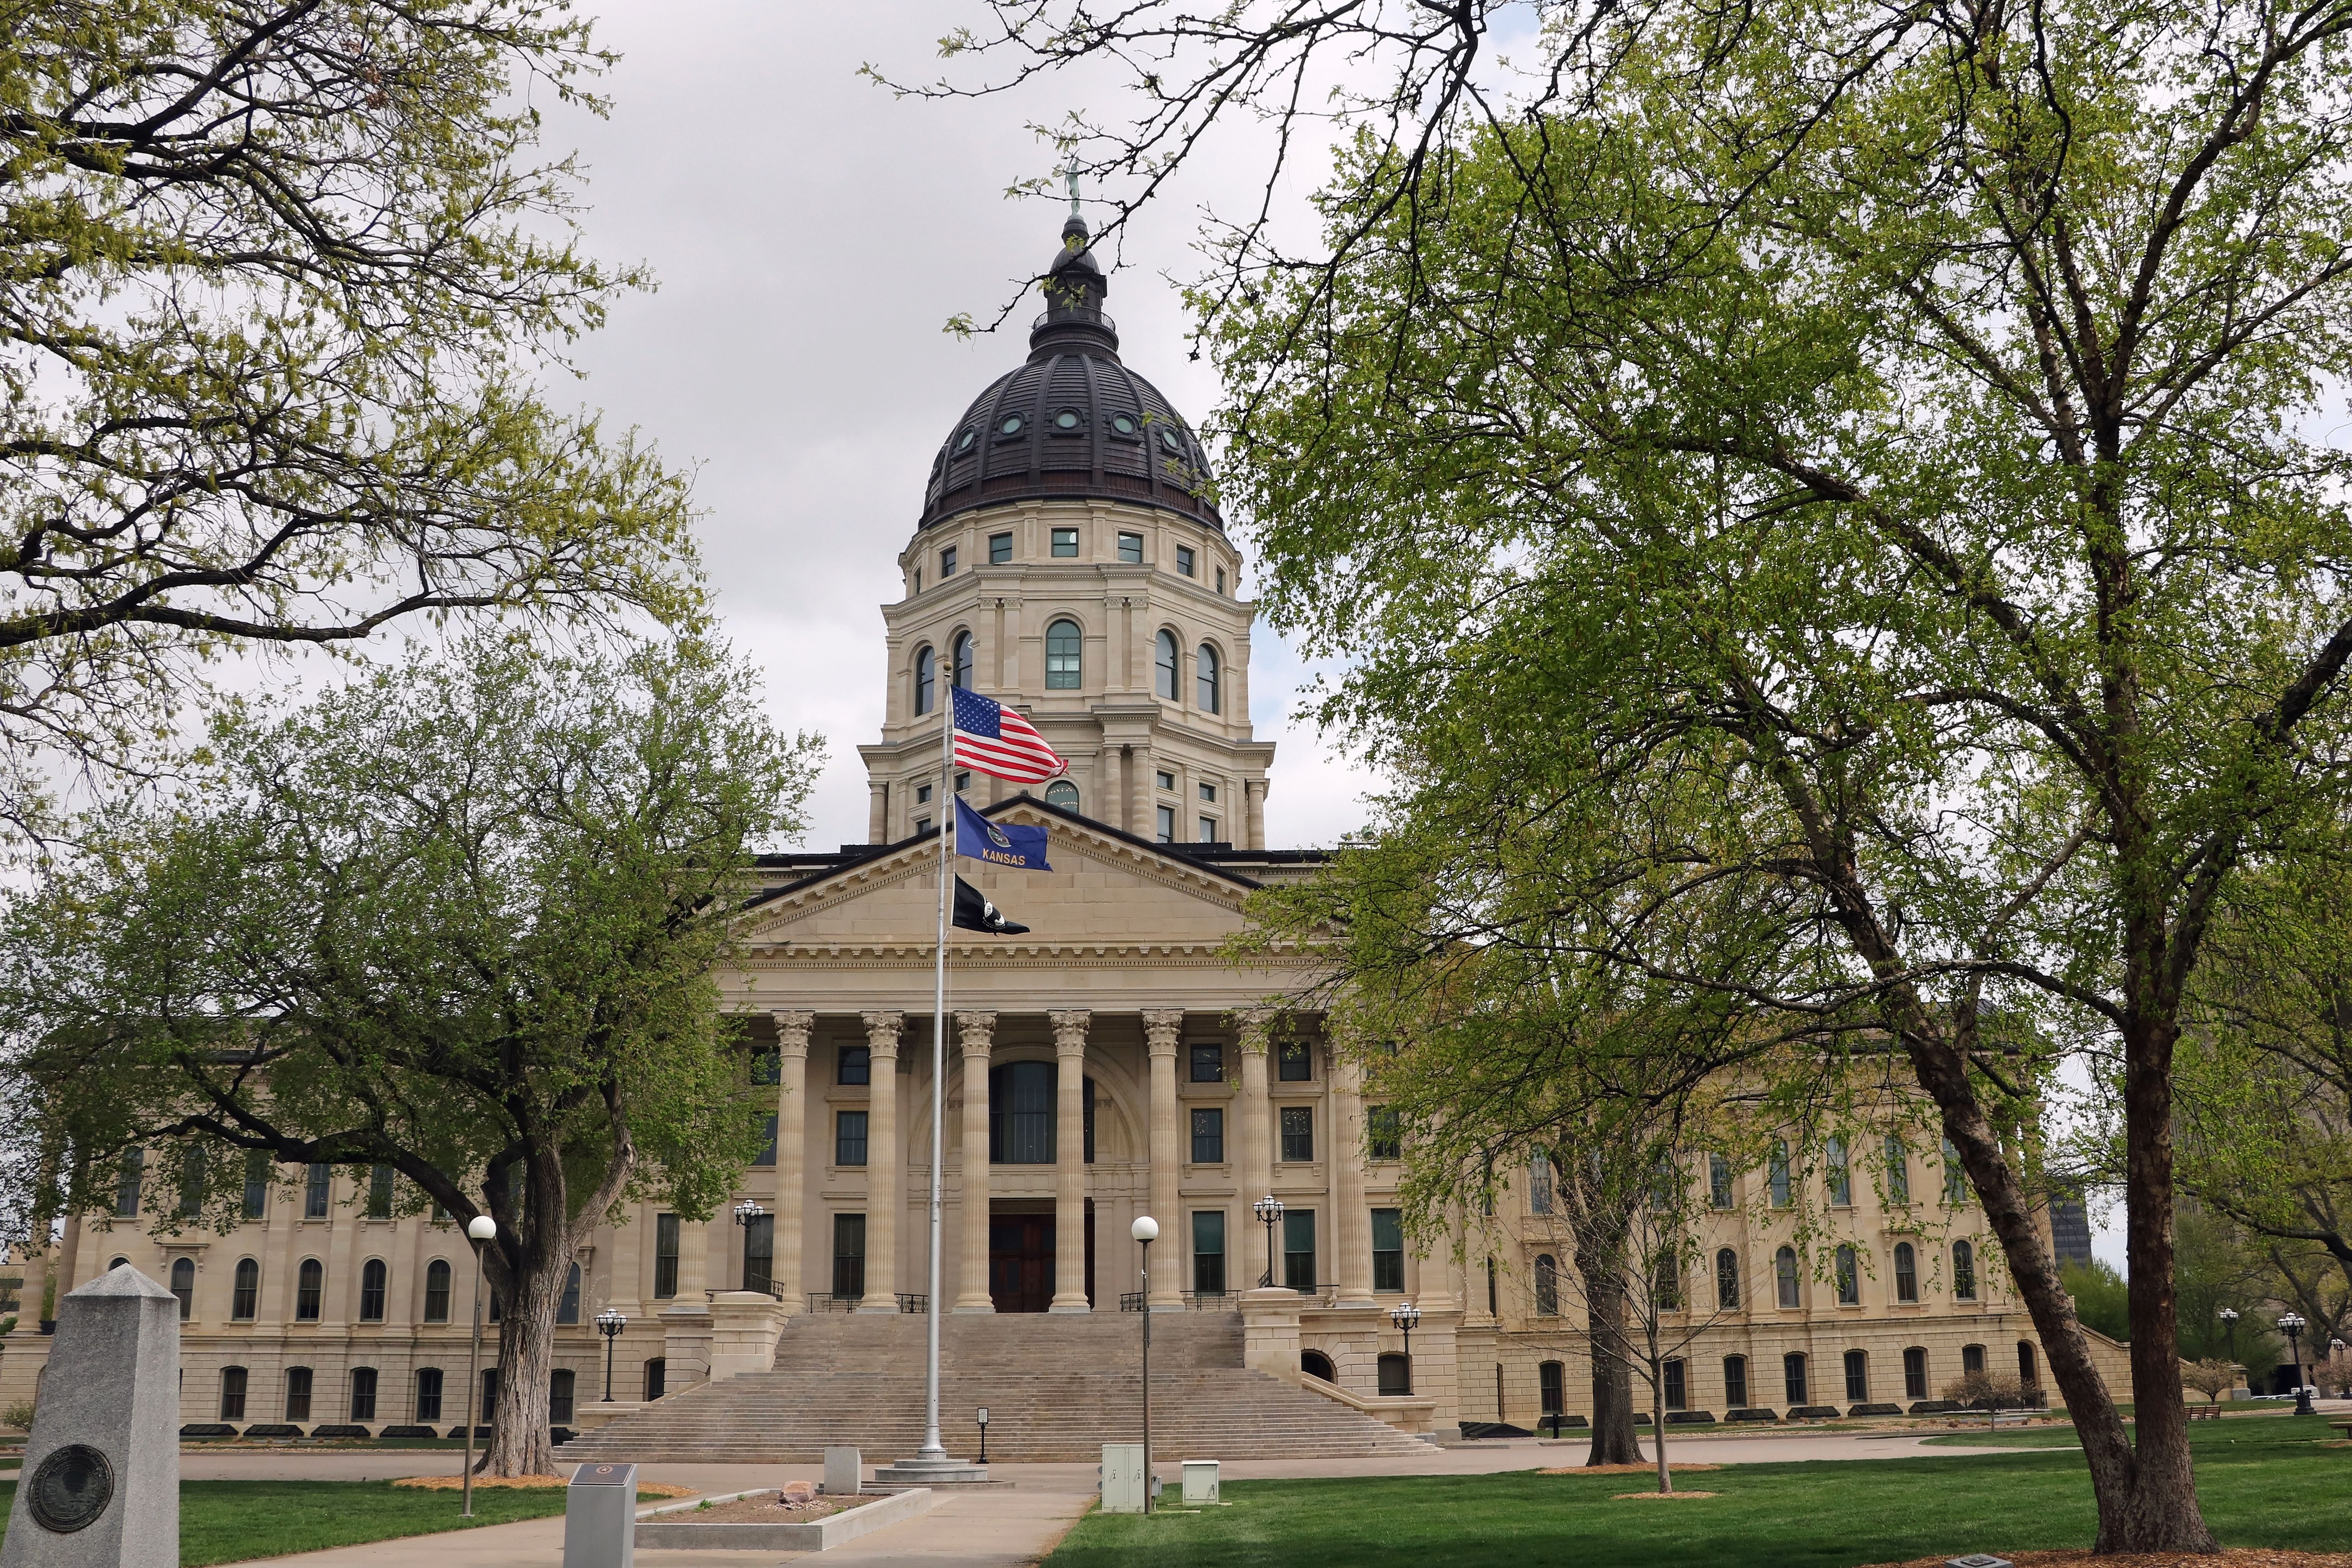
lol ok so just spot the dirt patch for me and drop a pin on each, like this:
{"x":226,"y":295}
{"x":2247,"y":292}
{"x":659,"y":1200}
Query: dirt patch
{"x":765,"y":1508}
{"x":1656,"y":1497}
{"x":2243,"y":1557}
{"x":526,"y":1483}
{"x":1626,"y":1471}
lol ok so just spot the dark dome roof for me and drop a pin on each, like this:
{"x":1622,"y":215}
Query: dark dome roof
{"x":1072,"y":423}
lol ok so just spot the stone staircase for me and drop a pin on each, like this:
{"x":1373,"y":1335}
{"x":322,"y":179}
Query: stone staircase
{"x":1056,"y":1387}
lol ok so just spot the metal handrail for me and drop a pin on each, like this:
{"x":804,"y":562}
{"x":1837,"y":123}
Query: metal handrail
{"x":1100,"y":316}
{"x":826,"y":1302}
{"x":911,"y":1303}
{"x":1131,"y":1302}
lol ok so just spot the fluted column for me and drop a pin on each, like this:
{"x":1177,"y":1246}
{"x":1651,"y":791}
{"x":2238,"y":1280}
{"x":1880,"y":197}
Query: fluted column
{"x":791,"y":1152}
{"x":1070,"y":1161}
{"x":1254,"y":1161}
{"x":979,"y":1039}
{"x":1161,"y":1030}
{"x":1351,"y":1235}
{"x":885,"y":1166}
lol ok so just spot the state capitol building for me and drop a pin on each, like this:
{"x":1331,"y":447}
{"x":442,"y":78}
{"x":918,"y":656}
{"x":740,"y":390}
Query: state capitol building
{"x":1069,"y":560}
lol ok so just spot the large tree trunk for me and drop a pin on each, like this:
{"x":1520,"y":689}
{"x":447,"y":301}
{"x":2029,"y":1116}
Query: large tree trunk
{"x":520,"y":1443}
{"x":1613,"y":1438}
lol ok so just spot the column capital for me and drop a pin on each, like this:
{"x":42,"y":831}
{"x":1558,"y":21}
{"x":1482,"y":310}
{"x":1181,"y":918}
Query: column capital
{"x":1070,"y":1030}
{"x":882,"y":1031}
{"x":792,"y":1027}
{"x":1162,"y":1027}
{"x":1256,"y":1025}
{"x":979,"y":1031}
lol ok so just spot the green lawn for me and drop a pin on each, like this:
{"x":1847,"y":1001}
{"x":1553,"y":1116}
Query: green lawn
{"x":229,"y":1521}
{"x":2263,"y":1484}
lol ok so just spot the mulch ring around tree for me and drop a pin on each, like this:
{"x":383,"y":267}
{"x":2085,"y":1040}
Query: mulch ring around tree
{"x":528,"y":1483}
{"x":1654,"y":1497}
{"x":2240,"y":1557}
{"x":1679,"y":1470}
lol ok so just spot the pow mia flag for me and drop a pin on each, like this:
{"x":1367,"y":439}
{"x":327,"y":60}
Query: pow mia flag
{"x":975,"y":913}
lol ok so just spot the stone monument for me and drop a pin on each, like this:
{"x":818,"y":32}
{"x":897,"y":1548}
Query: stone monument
{"x":101,"y":1485}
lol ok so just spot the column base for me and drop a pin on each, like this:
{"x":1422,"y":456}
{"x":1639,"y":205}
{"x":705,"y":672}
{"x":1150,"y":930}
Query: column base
{"x":1071,"y":1307}
{"x":889,"y":1311}
{"x":974,"y":1308}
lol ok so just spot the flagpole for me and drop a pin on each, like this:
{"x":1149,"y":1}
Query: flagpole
{"x":932,"y":1447}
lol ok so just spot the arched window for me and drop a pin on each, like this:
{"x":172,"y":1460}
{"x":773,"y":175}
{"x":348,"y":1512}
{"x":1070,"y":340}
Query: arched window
{"x":1848,"y":1278}
{"x":1726,"y":1279}
{"x":559,"y":1385}
{"x":1315,"y":1364}
{"x":1164,"y":674}
{"x":1395,"y":1373}
{"x":231,"y":1393}
{"x":1907,"y":1272}
{"x":1784,"y":1275}
{"x":1547,"y":1287}
{"x":959,"y":660}
{"x":184,"y":1285}
{"x":2029,"y":1369}
{"x":1915,"y":1373}
{"x":1063,"y":794}
{"x":1971,"y":1360}
{"x":118,"y":1263}
{"x":436,"y":1291}
{"x":1735,"y":1382}
{"x":372,"y":1279}
{"x":1964,"y":1271}
{"x":567,"y":1309}
{"x":1062,"y":645}
{"x":925,"y":667}
{"x":1210,"y":702}
{"x":309,"y":1286}
{"x":1792,"y":1377}
{"x":1857,"y":1377}
{"x":247,"y":1296}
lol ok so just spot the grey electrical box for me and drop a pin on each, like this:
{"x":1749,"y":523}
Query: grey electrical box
{"x":1123,"y":1478}
{"x":599,"y":1517}
{"x":1200,"y":1483}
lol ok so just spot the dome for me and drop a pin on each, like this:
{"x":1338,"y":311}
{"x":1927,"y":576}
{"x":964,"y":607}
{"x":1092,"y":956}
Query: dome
{"x":1072,"y":423}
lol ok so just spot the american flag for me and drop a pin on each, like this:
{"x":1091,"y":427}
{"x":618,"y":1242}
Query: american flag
{"x":998,"y":741}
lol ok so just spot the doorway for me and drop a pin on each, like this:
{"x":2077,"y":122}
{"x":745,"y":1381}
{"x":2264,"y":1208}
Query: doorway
{"x":1020,"y":1255}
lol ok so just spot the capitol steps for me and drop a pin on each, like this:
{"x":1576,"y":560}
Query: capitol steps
{"x":1056,"y":1388}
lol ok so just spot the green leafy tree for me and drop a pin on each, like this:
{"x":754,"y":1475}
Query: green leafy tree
{"x":2102,"y":1299}
{"x":460,"y":920}
{"x":275,"y":279}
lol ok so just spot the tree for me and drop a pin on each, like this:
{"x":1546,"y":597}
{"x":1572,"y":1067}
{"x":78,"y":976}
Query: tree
{"x":274,"y":279}
{"x":458,"y":922}
{"x":2102,"y":1299}
{"x":2211,"y":1378}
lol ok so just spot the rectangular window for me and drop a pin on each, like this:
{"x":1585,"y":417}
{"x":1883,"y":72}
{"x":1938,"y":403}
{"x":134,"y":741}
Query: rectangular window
{"x":1208,"y":826}
{"x":126,"y":1188}
{"x":231,"y":1393}
{"x":1385,"y":1132}
{"x":1678,"y":1396}
{"x":379,"y":1202}
{"x":362,"y":1394}
{"x":850,"y":1138}
{"x":849,"y":1256}
{"x":759,"y":1255}
{"x":1735,"y":1382}
{"x":855,"y":1065}
{"x":192,"y":1184}
{"x":1857,"y":1377}
{"x":767,"y":1154}
{"x":1167,"y":825}
{"x":1388,"y":1249}
{"x":1298,"y":1249}
{"x":560,"y":1382}
{"x":1209,"y":793}
{"x":1294,"y":1062}
{"x":1792,"y":1377}
{"x":1956,"y":1181}
{"x":1972,"y":1362}
{"x":1297,"y":1133}
{"x":1221,"y":579}
{"x":428,"y":1394}
{"x":922,"y":794}
{"x":1165,"y":779}
{"x":1779,"y":1175}
{"x":947,"y":563}
{"x":1209,"y":1251}
{"x":256,"y":1184}
{"x":316,"y":1183}
{"x":298,"y":1394}
{"x":1551,"y":1387}
{"x":922,"y":825}
{"x":1130,"y":549}
{"x":1065,"y":543}
{"x":999,"y":549}
{"x":1184,"y":559}
{"x":1915,"y":1373}
{"x":1208,"y":1061}
{"x":665,"y":1255}
{"x":1719,"y":1181}
{"x":1208,"y":1136}
{"x":964,"y":783}
{"x":1841,"y":1175}
{"x":1539,"y":1183}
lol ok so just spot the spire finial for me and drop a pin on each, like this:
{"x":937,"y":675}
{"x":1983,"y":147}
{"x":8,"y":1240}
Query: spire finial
{"x":1070,"y":178}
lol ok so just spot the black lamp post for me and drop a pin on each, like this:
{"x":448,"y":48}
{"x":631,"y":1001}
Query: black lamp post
{"x":982,"y":1419}
{"x":1404,"y":1315}
{"x":1146,"y":1230}
{"x":2229,"y":1326}
{"x":609,"y":1323}
{"x":2292,"y":1326}
{"x":1268,"y":1210}
{"x":747,"y":1215}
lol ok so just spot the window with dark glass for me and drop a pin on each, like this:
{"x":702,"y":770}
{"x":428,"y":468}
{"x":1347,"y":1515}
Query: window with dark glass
{"x":1666,"y":1280}
{"x":1208,"y":826}
{"x":1208,"y":1061}
{"x":490,"y":1392}
{"x":1063,"y":642}
{"x":1726,"y":1279}
{"x":1972,"y":1362}
{"x":1840,"y":1175}
{"x":1915,"y":1373}
{"x":126,"y":1186}
{"x":1956,"y":1180}
{"x":1298,"y":1249}
{"x":1494,"y":1296}
{"x":922,"y":825}
{"x":1207,"y":1135}
{"x":567,"y":1306}
{"x":1209,"y":687}
{"x":1539,"y":1182}
{"x":999,"y":549}
{"x":1130,"y":549}
{"x":1063,"y":794}
{"x":849,"y":1256}
{"x":191,"y":1182}
{"x":854,"y":1064}
{"x":1221,"y":579}
{"x":926,"y":679}
{"x":1184,"y":559}
{"x":1718,"y":1182}
{"x":1209,"y":1251}
{"x":428,"y":1394}
{"x":362,"y":1394}
{"x":232,"y":1405}
{"x":1678,"y":1396}
{"x":561,"y":1385}
{"x":922,"y":794}
{"x":960,"y":674}
{"x":245,"y":1293}
{"x":767,"y":1154}
{"x":374,"y":1277}
{"x":1907,"y":1272}
{"x":1778,"y":1171}
{"x":1167,"y":825}
{"x":379,"y":1199}
{"x":298,"y":1394}
{"x":1297,"y":1133}
{"x":1792,"y":1377}
{"x":184,"y":1285}
{"x":849,"y":1137}
{"x":1165,"y":779}
{"x":1294,"y":1061}
{"x":1964,"y":1271}
{"x":657,"y":1378}
{"x":665,"y":1255}
{"x":1898,"y":1171}
{"x":1385,"y":1132}
{"x":1163,"y":681}
{"x":760,"y":1253}
{"x":1546,"y":1286}
{"x":1735,"y":1382}
{"x":1021,"y":1114}
{"x":436,"y":1291}
{"x":1065,"y":541}
{"x":1551,"y":1387}
{"x":256,"y":1184}
{"x":1388,"y":1249}
{"x":310,"y":1288}
{"x":1848,"y":1278}
{"x":2028,"y":1366}
{"x":316,"y":1186}
{"x":1784,"y":1275}
{"x":1857,"y":1377}
{"x":947,"y":563}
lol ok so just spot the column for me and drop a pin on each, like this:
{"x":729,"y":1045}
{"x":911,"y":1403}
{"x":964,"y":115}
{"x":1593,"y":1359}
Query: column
{"x":1161,"y":1030}
{"x":1069,"y":1160}
{"x":1139,"y":797}
{"x":1126,"y":797}
{"x":1352,"y":1220}
{"x":1253,"y":1138}
{"x":791,"y":1152}
{"x":877,"y":812}
{"x":979,"y":1040}
{"x":885,"y":1164}
{"x":1253,"y":793}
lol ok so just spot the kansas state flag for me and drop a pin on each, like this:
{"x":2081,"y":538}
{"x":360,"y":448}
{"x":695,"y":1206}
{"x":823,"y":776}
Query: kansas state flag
{"x":1015,"y":849}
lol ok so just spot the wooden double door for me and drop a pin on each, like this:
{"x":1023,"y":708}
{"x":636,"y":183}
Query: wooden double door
{"x":1021,"y":1260}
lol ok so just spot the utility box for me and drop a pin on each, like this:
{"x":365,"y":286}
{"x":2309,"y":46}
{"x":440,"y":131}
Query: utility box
{"x":599,"y":1517}
{"x":1200,"y":1483}
{"x":1123,"y":1478}
{"x":844,"y":1472}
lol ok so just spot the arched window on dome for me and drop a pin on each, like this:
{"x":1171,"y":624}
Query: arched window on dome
{"x":1063,"y":794}
{"x":1210,"y":700}
{"x":1062,"y":643}
{"x":959,"y":660}
{"x":924,"y":675}
{"x":1167,"y":670}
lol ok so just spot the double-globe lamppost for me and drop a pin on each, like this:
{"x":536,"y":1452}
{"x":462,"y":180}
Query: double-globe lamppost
{"x":1405,"y":1315}
{"x":1145,"y":1230}
{"x":747,"y":1215}
{"x":609,"y":1323}
{"x":478,"y":1230}
{"x":1268,"y":1210}
{"x":2291,"y":1325}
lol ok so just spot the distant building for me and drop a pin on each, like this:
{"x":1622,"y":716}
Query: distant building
{"x":2070,"y":1226}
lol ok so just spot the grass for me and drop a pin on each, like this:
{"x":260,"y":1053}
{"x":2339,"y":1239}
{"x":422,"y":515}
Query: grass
{"x":2262,"y":1484}
{"x":231,"y":1521}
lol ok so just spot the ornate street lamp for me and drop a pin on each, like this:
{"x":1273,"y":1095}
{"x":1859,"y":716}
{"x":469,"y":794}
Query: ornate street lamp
{"x":747,"y":1215}
{"x":478,"y":1230}
{"x":1268,"y":1210}
{"x":982,"y":1419}
{"x":1404,"y":1315}
{"x":609,"y":1323}
{"x":1146,"y":1230}
{"x":2292,"y":1326}
{"x":2229,"y":1327}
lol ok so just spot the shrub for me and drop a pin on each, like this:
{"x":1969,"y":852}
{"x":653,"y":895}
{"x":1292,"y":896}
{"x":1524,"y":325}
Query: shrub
{"x":2211,"y":1378}
{"x":19,"y":1415}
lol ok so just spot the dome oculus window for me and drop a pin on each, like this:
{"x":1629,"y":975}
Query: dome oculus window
{"x":1124,"y":424}
{"x":964,"y":441}
{"x":1013,"y":425}
{"x":1169,"y":439}
{"x":1063,"y":794}
{"x":1068,"y":421}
